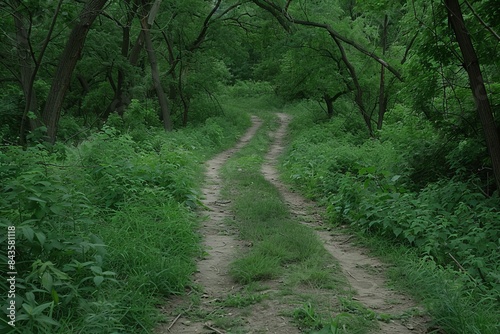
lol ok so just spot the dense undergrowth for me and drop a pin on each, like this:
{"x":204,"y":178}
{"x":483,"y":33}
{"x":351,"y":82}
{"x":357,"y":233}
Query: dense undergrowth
{"x":412,"y":187}
{"x":105,"y":229}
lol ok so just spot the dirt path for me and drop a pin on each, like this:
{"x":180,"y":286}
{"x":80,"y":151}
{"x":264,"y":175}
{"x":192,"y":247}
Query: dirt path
{"x":364,"y":273}
{"x":221,"y":244}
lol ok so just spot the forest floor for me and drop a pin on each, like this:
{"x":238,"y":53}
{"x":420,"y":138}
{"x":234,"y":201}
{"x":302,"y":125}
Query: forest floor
{"x":221,"y":304}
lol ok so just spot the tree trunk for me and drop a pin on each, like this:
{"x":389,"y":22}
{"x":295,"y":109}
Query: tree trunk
{"x":67,"y":63}
{"x":155,"y":73}
{"x":382,"y":98}
{"x":121,"y":98}
{"x":26,"y":69}
{"x":329,"y":105}
{"x":136,"y":49}
{"x":471,"y":64}
{"x":358,"y":94}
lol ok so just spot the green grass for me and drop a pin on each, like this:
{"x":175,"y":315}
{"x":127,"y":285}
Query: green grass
{"x":455,"y":305}
{"x":246,"y":297}
{"x":263,"y":218}
{"x":282,"y":248}
{"x":311,"y":320}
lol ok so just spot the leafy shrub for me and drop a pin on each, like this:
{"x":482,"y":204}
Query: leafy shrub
{"x":413,"y":186}
{"x":250,"y":88}
{"x":117,"y":208}
{"x":60,"y":259}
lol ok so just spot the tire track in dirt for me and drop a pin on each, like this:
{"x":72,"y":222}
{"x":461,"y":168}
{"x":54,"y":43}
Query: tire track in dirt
{"x":221,"y":246}
{"x":365,"y":274}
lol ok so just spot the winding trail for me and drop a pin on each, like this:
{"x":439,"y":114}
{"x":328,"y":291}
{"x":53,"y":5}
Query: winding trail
{"x":221,"y":244}
{"x":365,"y":274}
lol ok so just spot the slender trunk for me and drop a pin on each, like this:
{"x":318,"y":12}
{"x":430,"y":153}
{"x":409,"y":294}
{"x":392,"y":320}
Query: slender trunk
{"x":66,"y":66}
{"x":121,"y":99}
{"x":329,"y":105}
{"x":28,"y":89}
{"x":136,"y":50}
{"x":155,"y":73}
{"x":185,"y":100}
{"x":471,"y":64}
{"x":358,"y":94}
{"x":382,"y":98}
{"x":26,"y":68}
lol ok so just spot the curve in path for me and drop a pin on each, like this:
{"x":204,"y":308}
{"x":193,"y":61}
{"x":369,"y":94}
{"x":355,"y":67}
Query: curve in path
{"x":221,"y":246}
{"x":364,"y":273}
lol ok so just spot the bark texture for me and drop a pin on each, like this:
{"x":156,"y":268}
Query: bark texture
{"x":67,"y":64}
{"x":471,"y":65}
{"x":155,"y":72}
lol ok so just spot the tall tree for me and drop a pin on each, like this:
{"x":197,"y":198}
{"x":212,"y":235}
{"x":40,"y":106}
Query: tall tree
{"x":66,"y":65}
{"x":476,"y":81}
{"x":27,"y":67}
{"x":146,"y":21}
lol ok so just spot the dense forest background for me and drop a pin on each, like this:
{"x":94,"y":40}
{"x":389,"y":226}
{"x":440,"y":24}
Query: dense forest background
{"x":108,"y":107}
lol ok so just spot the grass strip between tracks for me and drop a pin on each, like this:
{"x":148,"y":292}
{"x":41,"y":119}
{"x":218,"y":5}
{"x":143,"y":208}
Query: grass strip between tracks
{"x":280,"y":248}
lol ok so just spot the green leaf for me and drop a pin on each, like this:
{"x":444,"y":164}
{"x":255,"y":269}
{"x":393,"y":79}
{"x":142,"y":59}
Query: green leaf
{"x":28,"y":232}
{"x":36,"y":199}
{"x":98,"y":280}
{"x":46,"y":320}
{"x":109,"y":273}
{"x":41,"y":237}
{"x":21,"y":317}
{"x":47,"y":281}
{"x":28,"y":308}
{"x":55,"y":296}
{"x":395,"y":178}
{"x":30,"y":296}
{"x":40,"y":308}
{"x":57,"y":209}
{"x":96,"y":269}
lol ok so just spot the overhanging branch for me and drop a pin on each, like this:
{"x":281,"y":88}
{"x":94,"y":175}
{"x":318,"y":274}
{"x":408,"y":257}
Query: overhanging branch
{"x":285,"y":20}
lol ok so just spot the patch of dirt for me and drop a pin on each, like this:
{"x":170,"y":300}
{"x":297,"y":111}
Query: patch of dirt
{"x":364,"y":273}
{"x":221,"y":246}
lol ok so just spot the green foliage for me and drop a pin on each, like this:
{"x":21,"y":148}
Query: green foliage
{"x":385,"y":187}
{"x":314,"y":322}
{"x":454,"y":304}
{"x":249,"y":89}
{"x":106,"y":228}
